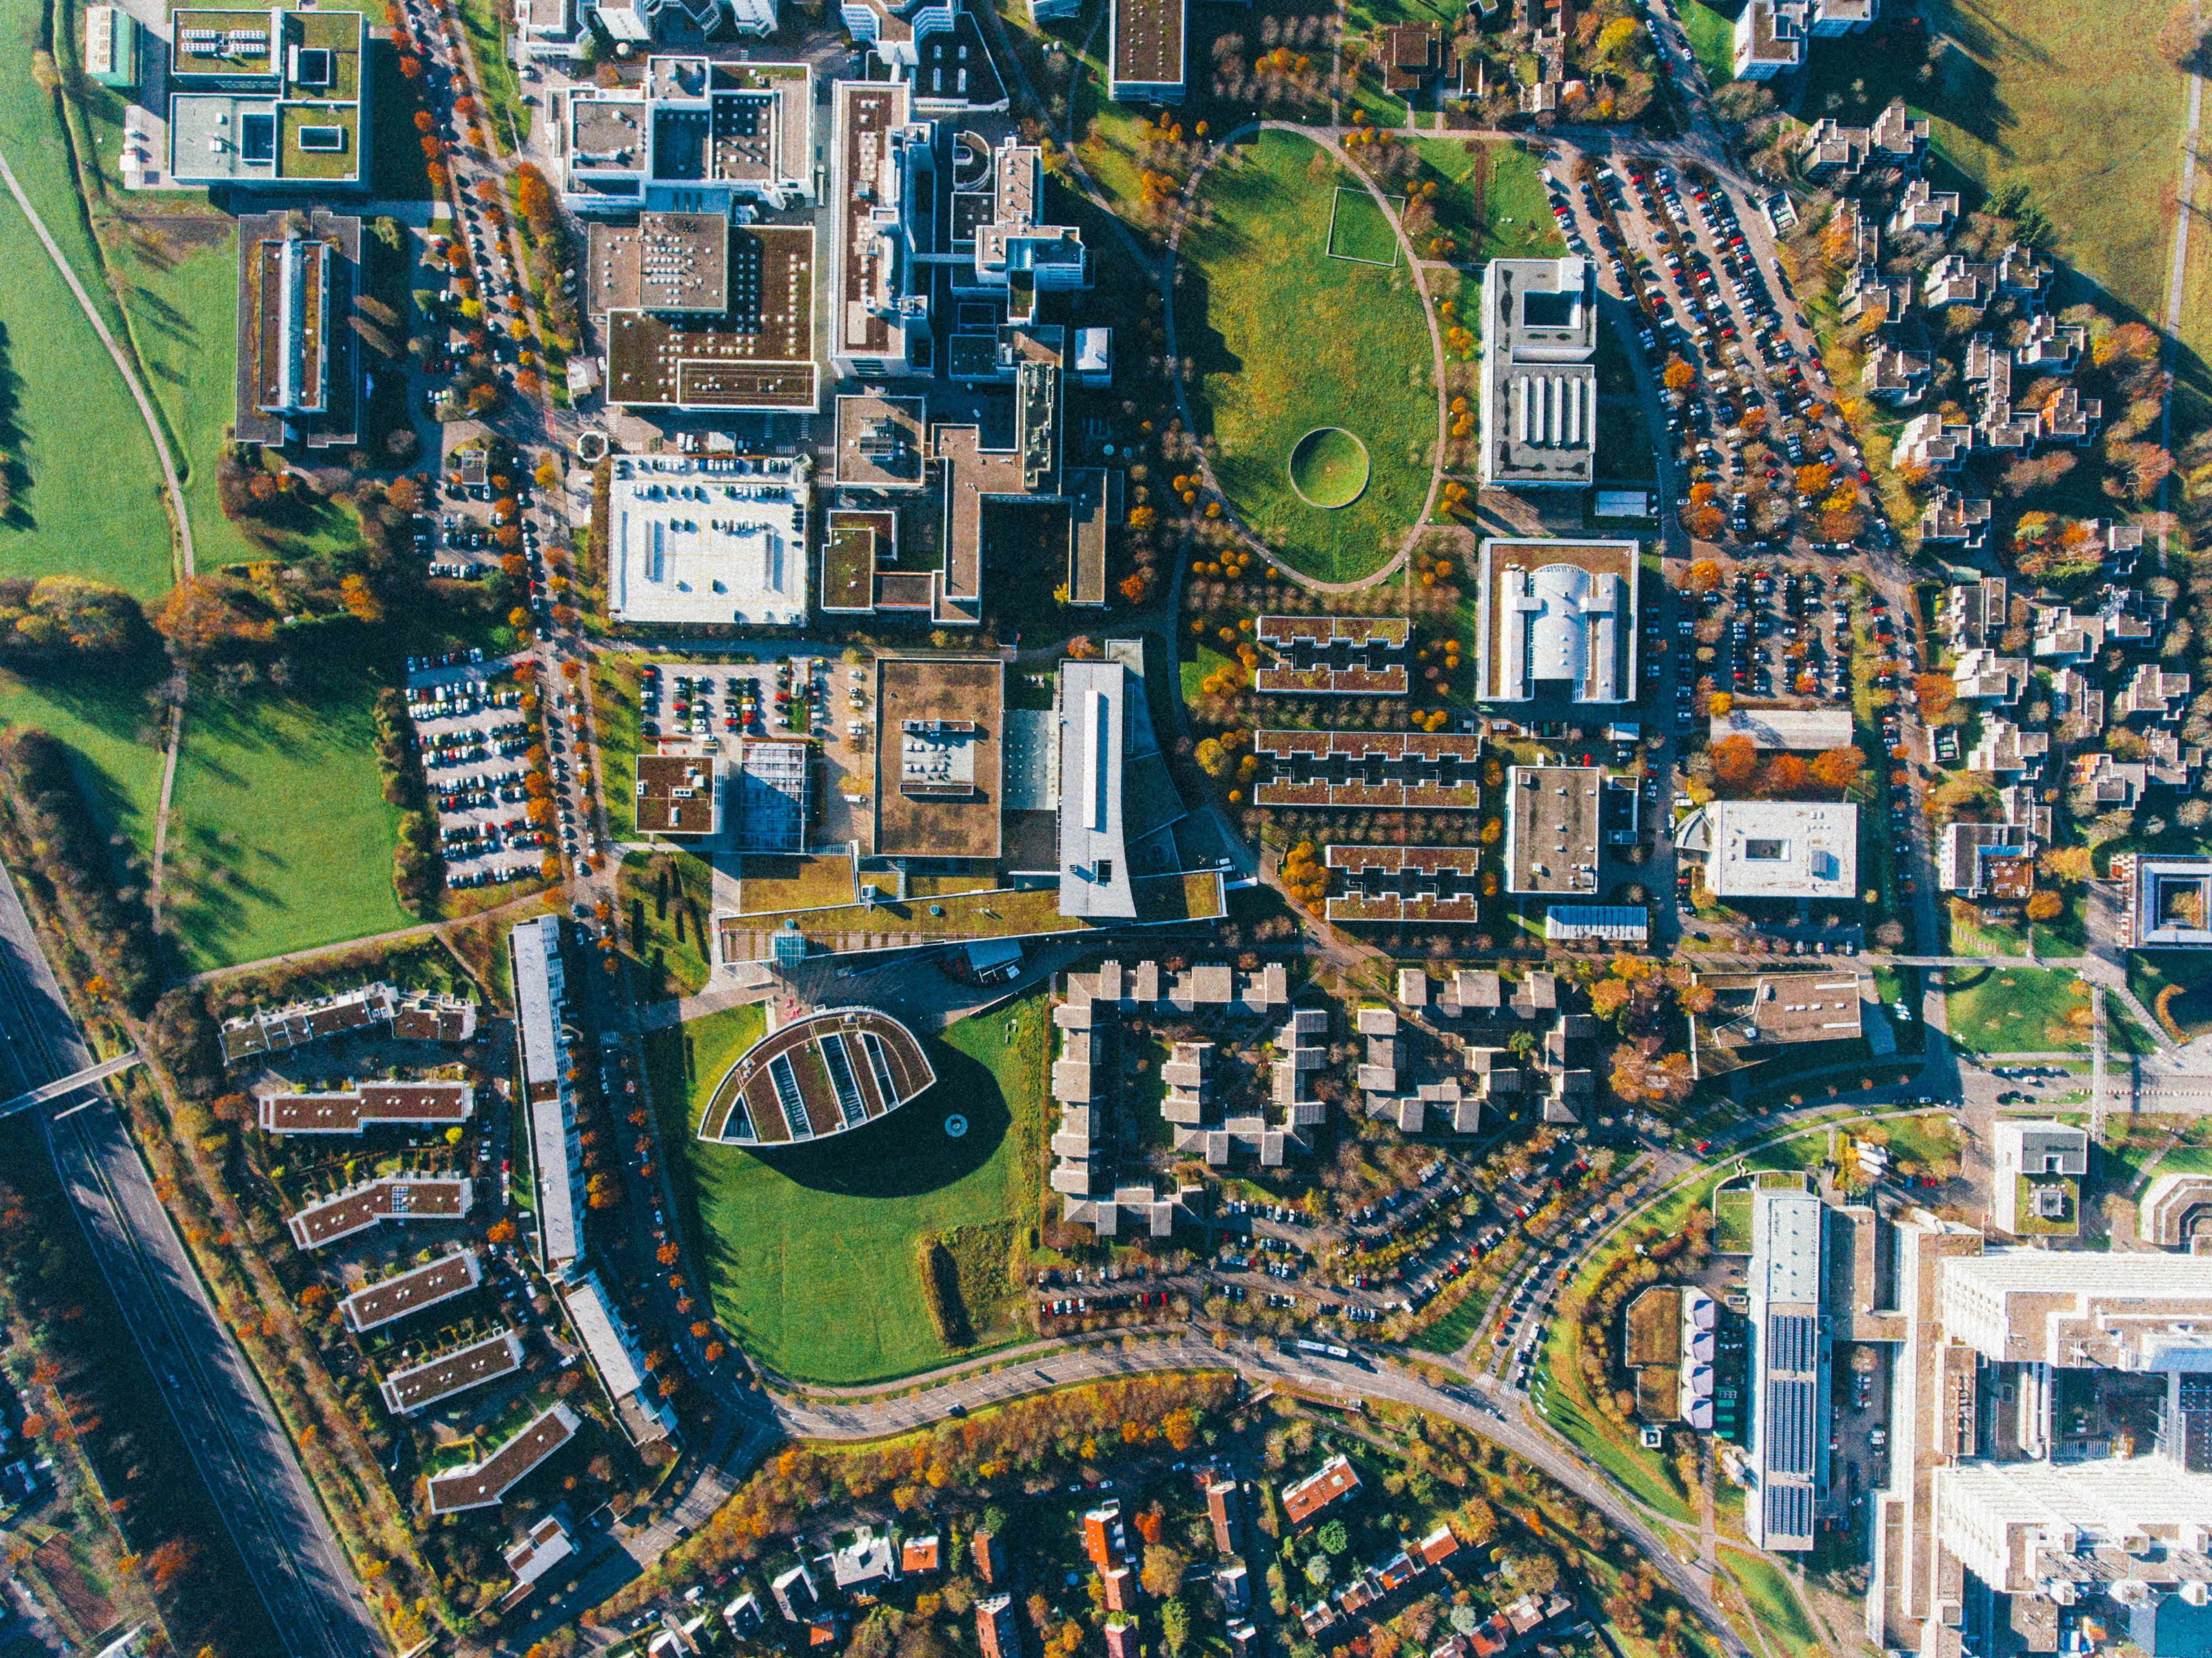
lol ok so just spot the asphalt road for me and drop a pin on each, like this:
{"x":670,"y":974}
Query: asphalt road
{"x":226,"y":1423}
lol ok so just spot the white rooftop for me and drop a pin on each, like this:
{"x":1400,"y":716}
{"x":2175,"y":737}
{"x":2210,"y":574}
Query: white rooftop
{"x":1783,"y":849}
{"x":693,"y":541}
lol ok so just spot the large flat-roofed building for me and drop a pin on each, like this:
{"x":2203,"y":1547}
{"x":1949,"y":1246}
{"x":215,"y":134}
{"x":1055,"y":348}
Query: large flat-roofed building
{"x":1417,"y":886}
{"x":1091,"y":707}
{"x":1806,"y":849}
{"x":268,"y":100}
{"x":1753,"y":1012}
{"x":1430,"y":771}
{"x":671,"y":262}
{"x":417,"y":1104}
{"x":389,"y":1299}
{"x":1552,"y":823}
{"x":706,"y":540}
{"x":886,"y":177}
{"x":2168,"y":900}
{"x":701,"y":134}
{"x":940,"y":746}
{"x":773,"y":795}
{"x":1786,"y":1285}
{"x":418,"y":1387}
{"x":540,"y":974}
{"x":1146,"y":42}
{"x":481,"y":1483}
{"x":1334,"y":655}
{"x":755,"y":355}
{"x":1539,"y":373}
{"x":832,"y":1072}
{"x":2051,"y":1463}
{"x":1017,"y":254}
{"x":299,"y":375}
{"x":1559,"y":613}
{"x":678,"y":795}
{"x":394,"y":1197}
{"x":882,"y":441}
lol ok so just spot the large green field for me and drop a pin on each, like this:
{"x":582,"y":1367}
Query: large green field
{"x":811,"y":1254}
{"x":2015,"y":1010}
{"x":281,"y":840}
{"x":106,"y":719}
{"x":1286,"y":339}
{"x":2072,"y":101}
{"x":1490,"y":198}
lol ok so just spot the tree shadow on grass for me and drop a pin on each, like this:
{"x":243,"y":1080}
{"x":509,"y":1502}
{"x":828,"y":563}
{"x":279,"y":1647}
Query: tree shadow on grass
{"x":908,"y":1152}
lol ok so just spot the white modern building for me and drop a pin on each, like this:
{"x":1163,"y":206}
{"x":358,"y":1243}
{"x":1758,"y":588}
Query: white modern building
{"x":1776,"y":848}
{"x":557,"y":1159}
{"x":1540,"y":373}
{"x":699,"y":134}
{"x":1557,"y":612}
{"x":711,"y":538}
{"x":1790,"y":1351}
{"x":2168,"y":899}
{"x":1094,"y":854}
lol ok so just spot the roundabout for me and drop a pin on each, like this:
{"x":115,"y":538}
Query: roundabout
{"x":1329,"y":468}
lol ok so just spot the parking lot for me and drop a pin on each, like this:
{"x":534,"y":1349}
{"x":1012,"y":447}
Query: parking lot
{"x":473,"y":737}
{"x":1749,"y":422}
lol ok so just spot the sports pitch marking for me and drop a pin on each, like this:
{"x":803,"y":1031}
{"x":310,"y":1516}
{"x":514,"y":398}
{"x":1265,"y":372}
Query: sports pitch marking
{"x":1335,"y":211}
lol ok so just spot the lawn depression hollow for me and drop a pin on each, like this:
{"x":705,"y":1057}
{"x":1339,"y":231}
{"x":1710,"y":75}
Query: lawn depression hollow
{"x":1328,"y":468}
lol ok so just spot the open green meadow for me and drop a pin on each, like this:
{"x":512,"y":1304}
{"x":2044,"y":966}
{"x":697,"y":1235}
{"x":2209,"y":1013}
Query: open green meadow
{"x":2015,"y":1010}
{"x":84,"y":481}
{"x":1286,"y":339}
{"x":282,"y":841}
{"x":1490,"y":198}
{"x":1771,"y":1603}
{"x":107,"y":723}
{"x":811,"y":1253}
{"x":2074,"y":102}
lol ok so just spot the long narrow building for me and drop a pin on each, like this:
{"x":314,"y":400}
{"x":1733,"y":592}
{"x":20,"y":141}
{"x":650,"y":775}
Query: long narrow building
{"x":555,"y":1158}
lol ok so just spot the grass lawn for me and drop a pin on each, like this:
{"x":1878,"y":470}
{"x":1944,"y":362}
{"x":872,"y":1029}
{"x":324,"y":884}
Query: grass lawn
{"x":614,"y":708}
{"x":282,"y":838}
{"x":1286,"y":339}
{"x":1329,"y":467}
{"x":1490,"y":198}
{"x":2151,"y":974}
{"x":1358,"y":229}
{"x":507,"y":120}
{"x":2017,"y":1010}
{"x":1771,"y":1601}
{"x":1732,"y":1221}
{"x":1712,"y":38}
{"x":2011,"y":103}
{"x":666,"y":899}
{"x":184,"y":315}
{"x":766,"y":884}
{"x":1457,"y":1327}
{"x":811,"y":1255}
{"x":85,"y":481}
{"x":104,"y":719}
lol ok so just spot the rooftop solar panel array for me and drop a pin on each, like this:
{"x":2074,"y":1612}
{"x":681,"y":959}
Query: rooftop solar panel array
{"x":1789,"y":1511}
{"x":1789,"y":1434}
{"x":1790,"y":1343}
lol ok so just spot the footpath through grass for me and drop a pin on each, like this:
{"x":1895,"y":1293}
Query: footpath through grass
{"x":811,"y":1254}
{"x":84,"y":479}
{"x":1771,"y":1602}
{"x":1286,"y":339}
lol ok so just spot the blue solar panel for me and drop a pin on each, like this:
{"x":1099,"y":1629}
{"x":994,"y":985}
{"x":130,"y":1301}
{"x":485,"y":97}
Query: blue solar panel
{"x":1788,"y":1437}
{"x":1789,"y":1511}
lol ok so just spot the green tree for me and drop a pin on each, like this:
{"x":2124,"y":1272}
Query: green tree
{"x":1175,"y":1623}
{"x":1334,"y":1537}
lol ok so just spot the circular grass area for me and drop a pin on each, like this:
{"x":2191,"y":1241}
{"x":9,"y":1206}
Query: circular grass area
{"x":1285,"y":340}
{"x":1328,"y":468}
